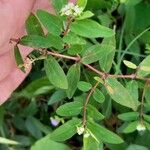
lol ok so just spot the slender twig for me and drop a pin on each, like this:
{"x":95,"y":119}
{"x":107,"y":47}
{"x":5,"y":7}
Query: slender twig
{"x":69,"y":21}
{"x":77,"y":58}
{"x":86,"y":103}
{"x":100,"y":73}
{"x":106,"y":75}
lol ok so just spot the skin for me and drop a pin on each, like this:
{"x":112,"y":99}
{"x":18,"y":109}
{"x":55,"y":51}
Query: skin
{"x":13,"y":14}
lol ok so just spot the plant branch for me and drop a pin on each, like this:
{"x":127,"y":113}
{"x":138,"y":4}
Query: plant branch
{"x":69,"y":21}
{"x":77,"y":58}
{"x":106,"y":75}
{"x":86,"y":103}
{"x":100,"y":73}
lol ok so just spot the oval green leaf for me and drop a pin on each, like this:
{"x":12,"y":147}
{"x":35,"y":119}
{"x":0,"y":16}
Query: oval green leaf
{"x":102,"y":134}
{"x":55,"y":73}
{"x":129,"y":116}
{"x":91,"y":29}
{"x":73,"y":77}
{"x":51,"y":22}
{"x":70,"y":109}
{"x":84,"y":86}
{"x":65,"y":131}
{"x":129,"y":64}
{"x":98,"y":96}
{"x":33,"y":26}
{"x":120,"y":94}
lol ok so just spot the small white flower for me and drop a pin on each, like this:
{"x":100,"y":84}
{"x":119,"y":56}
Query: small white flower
{"x":141,"y":127}
{"x":71,"y":10}
{"x":68,"y":12}
{"x":80,"y":130}
{"x":77,"y":9}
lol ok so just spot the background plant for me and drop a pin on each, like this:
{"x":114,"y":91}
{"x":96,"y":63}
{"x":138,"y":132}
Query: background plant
{"x":89,"y":86}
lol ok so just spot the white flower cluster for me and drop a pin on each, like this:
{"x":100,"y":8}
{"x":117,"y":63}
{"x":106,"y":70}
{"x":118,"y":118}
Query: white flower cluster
{"x":140,"y":127}
{"x":71,"y":10}
{"x":80,"y":130}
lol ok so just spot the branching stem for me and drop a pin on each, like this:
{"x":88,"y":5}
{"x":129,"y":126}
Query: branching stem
{"x":86,"y":103}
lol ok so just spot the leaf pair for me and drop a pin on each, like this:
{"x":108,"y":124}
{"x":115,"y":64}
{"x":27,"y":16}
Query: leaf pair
{"x":58,"y":78}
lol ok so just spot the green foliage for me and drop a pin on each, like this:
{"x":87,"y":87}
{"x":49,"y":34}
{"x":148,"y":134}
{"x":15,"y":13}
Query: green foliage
{"x":73,"y":77}
{"x":55,"y":73}
{"x":33,"y":26}
{"x":120,"y":94}
{"x":99,"y":133}
{"x":90,"y":76}
{"x":82,"y":3}
{"x":45,"y":143}
{"x":90,"y":29}
{"x":58,"y":5}
{"x":51,"y":22}
{"x":69,"y":109}
{"x":18,"y":58}
{"x":65,"y":131}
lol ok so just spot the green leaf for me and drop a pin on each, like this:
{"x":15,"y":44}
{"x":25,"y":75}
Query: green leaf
{"x":94,"y":113}
{"x":147,"y":94}
{"x":18,"y":58}
{"x":130,"y":3}
{"x":85,"y":15}
{"x":23,"y":140}
{"x":35,"y":41}
{"x":96,"y":52}
{"x":65,"y":131}
{"x":136,"y":147}
{"x":45,"y":129}
{"x":58,"y":5}
{"x":75,"y":49}
{"x":128,"y":127}
{"x":146,"y":117}
{"x":147,"y":125}
{"x":129,"y":116}
{"x":46,"y":144}
{"x":32,"y":89}
{"x":143,"y":65}
{"x":73,"y":77}
{"x":91,"y":29}
{"x":102,"y":134}
{"x":31,"y":109}
{"x":55,"y":73}
{"x":84,"y":86}
{"x":132,"y":87}
{"x":98,"y":96}
{"x":70,"y":109}
{"x":91,"y":144}
{"x":8,"y":141}
{"x":73,"y":39}
{"x":82,"y":3}
{"x":32,"y":128}
{"x":120,"y":94}
{"x":57,"y":97}
{"x":108,"y":56}
{"x":33,"y":26}
{"x":52,"y":23}
{"x":145,"y":68}
{"x":129,"y":64}
{"x":55,"y":41}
